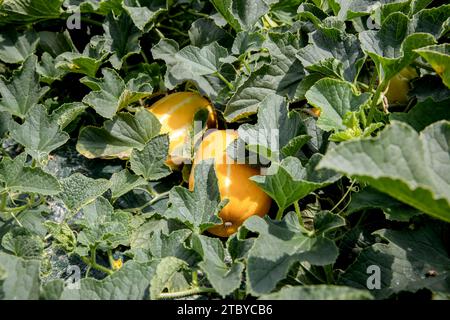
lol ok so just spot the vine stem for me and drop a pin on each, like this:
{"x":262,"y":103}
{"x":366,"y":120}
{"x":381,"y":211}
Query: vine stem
{"x":344,"y":196}
{"x":423,"y":66}
{"x":92,"y":262}
{"x":3,"y":200}
{"x":279,"y":214}
{"x":158,"y":197}
{"x":228,"y":83}
{"x":185,"y":293}
{"x":299,"y":213}
{"x":374,"y":104}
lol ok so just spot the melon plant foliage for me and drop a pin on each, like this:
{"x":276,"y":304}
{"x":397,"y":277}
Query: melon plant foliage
{"x":360,"y":184}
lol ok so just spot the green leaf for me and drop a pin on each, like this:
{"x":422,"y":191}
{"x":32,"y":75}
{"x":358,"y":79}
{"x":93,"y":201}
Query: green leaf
{"x":102,"y":7}
{"x":335,"y":99}
{"x":141,"y":238}
{"x":248,"y":12}
{"x":79,"y":63}
{"x":79,"y":190}
{"x":279,"y":245}
{"x":424,"y":113}
{"x":318,"y":292}
{"x":144,"y":12}
{"x":292,"y":182}
{"x":325,"y":221}
{"x":197,"y":209}
{"x":430,"y":86}
{"x":62,"y":234}
{"x":404,"y":263}
{"x":371,"y":198}
{"x":190,"y":63}
{"x":22,"y":243}
{"x":47,"y":69}
{"x":18,"y":177}
{"x":172,"y":245}
{"x":55,"y":43}
{"x":439,"y":58}
{"x":224,"y":279}
{"x":282,"y":76}
{"x":330,"y":50}
{"x":224,"y":8}
{"x":119,"y":136}
{"x":409,"y":167}
{"x":275,"y":128}
{"x":247,"y":42}
{"x":22,"y":91}
{"x":20,"y":11}
{"x":122,"y":182}
{"x":347,"y":10}
{"x":111,"y":94}
{"x":102,"y":227}
{"x":39,"y":134}
{"x":52,"y":290}
{"x":165,"y":270}
{"x":434,"y":21}
{"x":131,"y":282}
{"x":22,"y":278}
{"x":150,"y":161}
{"x":204,"y":32}
{"x":15,"y":47}
{"x":5,"y":119}
{"x":67,"y":113}
{"x":392,"y":47}
{"x":122,"y":38}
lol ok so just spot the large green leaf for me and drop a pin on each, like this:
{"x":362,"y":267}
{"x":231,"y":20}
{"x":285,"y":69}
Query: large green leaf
{"x":318,"y":292}
{"x":21,"y":278}
{"x":225,"y":279}
{"x":67,"y":113}
{"x":47,"y":69}
{"x":18,"y":177}
{"x":413,"y":259}
{"x":409,"y":167}
{"x":281,"y":76}
{"x":15,"y":47}
{"x":123,"y":182}
{"x":20,"y":11}
{"x":150,"y":161}
{"x":172,"y":245}
{"x":334,"y":53}
{"x":144,"y":12}
{"x":131,"y":282}
{"x":392,"y":47}
{"x":197,"y":209}
{"x":335,"y":99}
{"x":165,"y":270}
{"x":370,"y":198}
{"x":22,"y":91}
{"x":424,"y":113}
{"x":118,"y":136}
{"x":439,"y":58}
{"x":191,"y":63}
{"x":39,"y":134}
{"x":122,"y":38}
{"x":275,"y":128}
{"x":204,"y":31}
{"x":102,"y":227}
{"x":279,"y":245}
{"x":111,"y":94}
{"x":23,"y":243}
{"x":79,"y":190}
{"x":291,"y":181}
